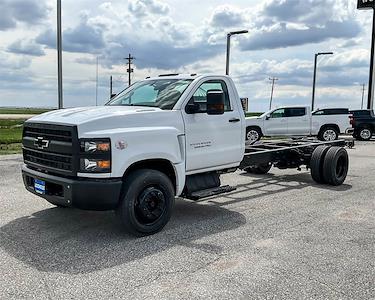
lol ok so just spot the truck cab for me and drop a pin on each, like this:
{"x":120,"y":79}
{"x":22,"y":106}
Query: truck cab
{"x":160,"y":138}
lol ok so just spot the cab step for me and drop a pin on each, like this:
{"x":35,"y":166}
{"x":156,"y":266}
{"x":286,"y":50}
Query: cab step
{"x":210,"y":192}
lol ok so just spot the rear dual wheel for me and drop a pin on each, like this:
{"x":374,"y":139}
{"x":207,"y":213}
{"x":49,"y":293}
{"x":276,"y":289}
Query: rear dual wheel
{"x":329,"y":165}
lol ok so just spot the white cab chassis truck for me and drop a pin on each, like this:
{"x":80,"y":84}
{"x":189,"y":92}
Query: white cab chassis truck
{"x":299,"y":121}
{"x":161,"y":138}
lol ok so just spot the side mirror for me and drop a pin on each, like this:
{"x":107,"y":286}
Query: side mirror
{"x":192,"y":108}
{"x":215,"y":102}
{"x":113,"y":95}
{"x":268,"y":117}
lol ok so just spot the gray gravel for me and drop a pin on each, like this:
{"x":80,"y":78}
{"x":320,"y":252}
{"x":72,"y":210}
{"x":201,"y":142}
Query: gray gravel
{"x":277,"y":237}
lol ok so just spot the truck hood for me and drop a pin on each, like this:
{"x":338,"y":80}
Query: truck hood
{"x":106,"y":120}
{"x":81,"y":115}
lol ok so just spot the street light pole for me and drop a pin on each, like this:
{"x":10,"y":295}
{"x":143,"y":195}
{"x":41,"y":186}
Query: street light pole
{"x":229,"y":35}
{"x":314,"y":79}
{"x":370,"y":102}
{"x":363,"y":94}
{"x":273,"y":79}
{"x":97,"y":81}
{"x":59,"y":56}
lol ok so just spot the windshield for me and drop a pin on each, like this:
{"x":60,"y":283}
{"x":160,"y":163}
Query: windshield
{"x":161,"y":93}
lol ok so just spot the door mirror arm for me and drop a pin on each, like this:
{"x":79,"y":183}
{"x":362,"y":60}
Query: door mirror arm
{"x":192,"y":108}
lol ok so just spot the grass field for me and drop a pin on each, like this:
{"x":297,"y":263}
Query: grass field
{"x":23,"y":111}
{"x":10,"y":136}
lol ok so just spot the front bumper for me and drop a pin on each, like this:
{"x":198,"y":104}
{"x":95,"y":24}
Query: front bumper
{"x":82,"y":193}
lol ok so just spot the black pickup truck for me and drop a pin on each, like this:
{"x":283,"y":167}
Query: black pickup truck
{"x":364,"y":124}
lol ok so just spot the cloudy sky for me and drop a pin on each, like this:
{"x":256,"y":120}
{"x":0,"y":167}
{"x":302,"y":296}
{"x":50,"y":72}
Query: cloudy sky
{"x":186,"y":37}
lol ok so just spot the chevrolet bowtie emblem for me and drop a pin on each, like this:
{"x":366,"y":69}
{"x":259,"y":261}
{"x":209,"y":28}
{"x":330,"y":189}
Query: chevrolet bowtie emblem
{"x":41,"y":143}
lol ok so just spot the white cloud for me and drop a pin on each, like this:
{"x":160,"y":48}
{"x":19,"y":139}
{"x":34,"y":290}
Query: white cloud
{"x":283,"y":37}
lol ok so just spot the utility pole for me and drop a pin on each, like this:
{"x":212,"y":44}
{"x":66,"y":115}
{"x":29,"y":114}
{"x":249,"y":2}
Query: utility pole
{"x":130,"y":70}
{"x":59,"y":57}
{"x":363,"y":94}
{"x":110,"y":87}
{"x":273,"y":79}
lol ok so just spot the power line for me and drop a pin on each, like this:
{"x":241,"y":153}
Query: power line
{"x":130,"y":70}
{"x":273,"y":79}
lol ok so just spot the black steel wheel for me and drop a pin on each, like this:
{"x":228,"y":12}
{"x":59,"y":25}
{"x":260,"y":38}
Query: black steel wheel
{"x":259,"y":169}
{"x":316,"y":163}
{"x":336,"y":166}
{"x":146,"y":203}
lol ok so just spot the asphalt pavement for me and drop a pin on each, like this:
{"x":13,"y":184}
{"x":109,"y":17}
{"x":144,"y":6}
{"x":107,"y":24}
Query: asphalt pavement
{"x":279,"y":236}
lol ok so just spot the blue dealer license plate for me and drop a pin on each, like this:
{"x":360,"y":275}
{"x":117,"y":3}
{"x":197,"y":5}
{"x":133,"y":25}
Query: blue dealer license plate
{"x":40,"y":186}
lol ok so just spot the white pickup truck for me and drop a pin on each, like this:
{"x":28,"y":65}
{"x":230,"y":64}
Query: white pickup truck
{"x":299,"y":121}
{"x":161,"y":138}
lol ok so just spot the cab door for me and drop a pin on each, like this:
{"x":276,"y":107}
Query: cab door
{"x":213,"y":141}
{"x":298,"y":121}
{"x":276,"y":123}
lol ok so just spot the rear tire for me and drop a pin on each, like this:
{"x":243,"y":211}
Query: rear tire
{"x":316,"y":163}
{"x":336,"y":166}
{"x":364,"y":134}
{"x":146,"y":203}
{"x":260,"y":169}
{"x":328,"y":133}
{"x":253,"y":134}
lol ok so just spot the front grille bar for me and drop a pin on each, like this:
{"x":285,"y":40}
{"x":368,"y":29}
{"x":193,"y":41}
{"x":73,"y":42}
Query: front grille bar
{"x":62,"y":154}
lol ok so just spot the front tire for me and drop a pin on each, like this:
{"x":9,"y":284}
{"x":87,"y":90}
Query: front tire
{"x":328,"y":134}
{"x":146,"y":203}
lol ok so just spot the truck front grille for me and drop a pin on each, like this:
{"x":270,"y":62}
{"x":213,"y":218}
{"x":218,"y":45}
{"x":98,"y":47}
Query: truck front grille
{"x":51,"y":148}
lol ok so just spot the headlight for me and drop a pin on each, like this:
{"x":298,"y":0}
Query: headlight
{"x":95,"y":155}
{"x":92,"y":146}
{"x":95,"y":165}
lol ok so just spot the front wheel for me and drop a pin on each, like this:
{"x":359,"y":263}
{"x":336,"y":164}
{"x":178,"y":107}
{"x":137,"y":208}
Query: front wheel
{"x":328,"y":134}
{"x":146,"y":203}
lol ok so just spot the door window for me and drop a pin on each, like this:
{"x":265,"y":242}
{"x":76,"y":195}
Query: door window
{"x":296,"y":112}
{"x":200,"y":96}
{"x":279,"y":113}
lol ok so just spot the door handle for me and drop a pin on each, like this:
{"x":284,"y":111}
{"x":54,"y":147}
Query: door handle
{"x":234,"y":120}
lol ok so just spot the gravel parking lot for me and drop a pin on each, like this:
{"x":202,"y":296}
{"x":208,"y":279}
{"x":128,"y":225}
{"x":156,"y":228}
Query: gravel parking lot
{"x":279,"y":236}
